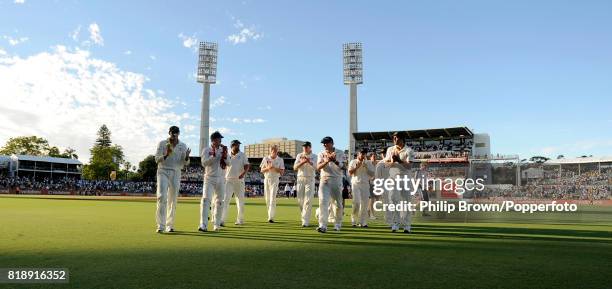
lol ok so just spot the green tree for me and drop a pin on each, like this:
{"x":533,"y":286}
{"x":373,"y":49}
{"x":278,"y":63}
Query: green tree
{"x":127,"y":172}
{"x":70,"y":153}
{"x":36,"y":146}
{"x":105,"y":157}
{"x":104,"y":137}
{"x":147,"y":169}
{"x":538,"y":159}
{"x":26,"y":145}
{"x":54,"y":152}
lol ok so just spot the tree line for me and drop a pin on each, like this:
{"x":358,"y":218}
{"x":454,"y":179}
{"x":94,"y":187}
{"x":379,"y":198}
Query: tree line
{"x":107,"y":160}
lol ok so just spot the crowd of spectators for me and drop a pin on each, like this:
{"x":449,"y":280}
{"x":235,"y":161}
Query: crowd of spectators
{"x":441,"y":146}
{"x":441,"y":155}
{"x":442,"y":150}
{"x":88,"y":187}
{"x":101,"y":187}
{"x":586,"y":186}
{"x":591,"y":185}
{"x":196,"y":174}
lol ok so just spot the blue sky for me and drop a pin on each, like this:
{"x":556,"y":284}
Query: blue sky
{"x":535,"y":75}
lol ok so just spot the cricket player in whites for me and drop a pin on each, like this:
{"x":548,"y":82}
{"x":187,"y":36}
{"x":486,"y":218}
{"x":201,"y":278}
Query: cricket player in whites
{"x":214,"y":161}
{"x":398,"y":160}
{"x":382,"y":172}
{"x":305,"y":163}
{"x":331,"y":164}
{"x":237,"y":168}
{"x":272,"y":167}
{"x":360,"y":171}
{"x":170,"y":157}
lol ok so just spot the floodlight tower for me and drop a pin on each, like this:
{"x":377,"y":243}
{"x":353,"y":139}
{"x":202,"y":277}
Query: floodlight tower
{"x":207,"y":74}
{"x":353,"y":75}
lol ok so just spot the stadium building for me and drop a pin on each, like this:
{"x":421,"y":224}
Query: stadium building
{"x":5,"y":166}
{"x":443,"y":145}
{"x":454,"y":152}
{"x":260,"y":150}
{"x":43,"y":167}
{"x":579,"y":166}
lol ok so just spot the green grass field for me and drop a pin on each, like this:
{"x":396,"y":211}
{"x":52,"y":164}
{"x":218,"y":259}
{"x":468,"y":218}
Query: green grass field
{"x":112,"y":244}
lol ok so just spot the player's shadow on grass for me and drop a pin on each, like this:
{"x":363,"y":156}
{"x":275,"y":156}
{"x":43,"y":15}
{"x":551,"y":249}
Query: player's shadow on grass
{"x":454,"y":230}
{"x":260,"y":204}
{"x":380,"y":236}
{"x":329,"y":238}
{"x":518,"y":231}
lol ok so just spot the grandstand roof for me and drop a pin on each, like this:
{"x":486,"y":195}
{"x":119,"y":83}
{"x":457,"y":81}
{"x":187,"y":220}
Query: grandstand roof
{"x":47,"y":159}
{"x":451,"y":132}
{"x":586,"y":160}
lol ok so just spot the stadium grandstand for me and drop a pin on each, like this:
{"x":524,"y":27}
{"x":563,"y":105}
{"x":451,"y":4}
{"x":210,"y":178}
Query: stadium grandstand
{"x":5,"y":166}
{"x":40,"y":167}
{"x":580,"y":165}
{"x":446,"y":151}
{"x":454,"y":144}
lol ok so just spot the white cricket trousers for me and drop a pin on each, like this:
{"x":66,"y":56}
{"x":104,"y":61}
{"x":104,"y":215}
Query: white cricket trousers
{"x":234,"y":187}
{"x":270,"y":190}
{"x":330,"y":191}
{"x":168,"y":186}
{"x":305,"y":193}
{"x":361,"y":194}
{"x":213,"y":190}
{"x":386,"y":199}
{"x":404,"y":217}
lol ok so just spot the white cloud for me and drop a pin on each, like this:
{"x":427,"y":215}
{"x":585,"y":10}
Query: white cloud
{"x":95,"y":35}
{"x":189,"y":41}
{"x":243,"y":34}
{"x":189,"y":128}
{"x":75,"y":33}
{"x":66,"y":95}
{"x":19,"y":1}
{"x":238,"y":24}
{"x":219,"y":101}
{"x":2,"y":52}
{"x":549,"y":150}
{"x":238,"y":120}
{"x":127,"y":52}
{"x":153,"y":57}
{"x":223,"y":131}
{"x":15,"y":41}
